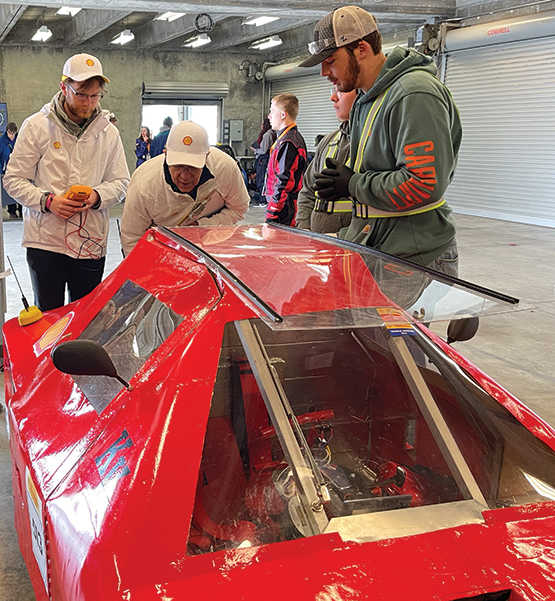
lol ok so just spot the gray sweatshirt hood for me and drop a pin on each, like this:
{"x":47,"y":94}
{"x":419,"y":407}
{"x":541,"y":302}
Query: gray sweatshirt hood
{"x":399,"y":61}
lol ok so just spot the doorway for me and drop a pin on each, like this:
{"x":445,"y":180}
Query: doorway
{"x":205,"y":114}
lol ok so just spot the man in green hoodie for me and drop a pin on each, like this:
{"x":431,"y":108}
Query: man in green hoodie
{"x":405,"y":137}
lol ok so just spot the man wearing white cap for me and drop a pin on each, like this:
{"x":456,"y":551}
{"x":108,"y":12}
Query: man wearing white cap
{"x":192,"y":184}
{"x":405,"y":137}
{"x":69,"y":142}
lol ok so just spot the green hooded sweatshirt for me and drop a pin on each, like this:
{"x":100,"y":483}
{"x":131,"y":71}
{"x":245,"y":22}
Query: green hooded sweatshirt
{"x":407,"y":161}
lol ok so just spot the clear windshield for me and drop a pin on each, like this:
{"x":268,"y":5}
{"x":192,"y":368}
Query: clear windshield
{"x":424,"y":297}
{"x":373,"y":446}
{"x":131,"y":326}
{"x":315,"y":281}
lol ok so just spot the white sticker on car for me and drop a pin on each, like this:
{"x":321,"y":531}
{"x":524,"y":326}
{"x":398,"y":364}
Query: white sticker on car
{"x":36,"y":523}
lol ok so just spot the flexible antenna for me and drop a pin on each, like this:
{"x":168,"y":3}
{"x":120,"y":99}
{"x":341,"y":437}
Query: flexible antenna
{"x":23,"y":299}
{"x":31,"y":313}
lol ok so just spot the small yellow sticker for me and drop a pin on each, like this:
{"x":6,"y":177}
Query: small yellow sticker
{"x":395,"y":321}
{"x":187,"y":140}
{"x":32,"y":490}
{"x":90,"y":62}
{"x":57,"y":145}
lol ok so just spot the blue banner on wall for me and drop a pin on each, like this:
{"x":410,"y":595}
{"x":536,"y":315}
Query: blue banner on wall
{"x":3,"y":117}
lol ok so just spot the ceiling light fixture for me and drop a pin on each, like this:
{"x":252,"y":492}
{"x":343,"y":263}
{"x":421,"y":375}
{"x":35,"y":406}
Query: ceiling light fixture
{"x":265,"y":43}
{"x":123,"y":37}
{"x":68,"y":11}
{"x":197,"y":41}
{"x":258,"y":21}
{"x":42,"y":34}
{"x":169,"y":16}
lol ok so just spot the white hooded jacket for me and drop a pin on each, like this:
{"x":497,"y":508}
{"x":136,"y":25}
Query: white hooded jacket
{"x":221,"y":200}
{"x":47,"y":158}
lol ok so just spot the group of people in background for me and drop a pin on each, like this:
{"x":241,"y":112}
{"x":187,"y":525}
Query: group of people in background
{"x":378,"y":180}
{"x":147,"y":147}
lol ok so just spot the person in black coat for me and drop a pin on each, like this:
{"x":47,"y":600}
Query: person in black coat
{"x":266,"y":138}
{"x":159,"y":142}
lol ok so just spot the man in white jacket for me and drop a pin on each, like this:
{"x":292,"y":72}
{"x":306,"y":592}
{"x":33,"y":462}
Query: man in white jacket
{"x":192,"y":184}
{"x":70,"y":141}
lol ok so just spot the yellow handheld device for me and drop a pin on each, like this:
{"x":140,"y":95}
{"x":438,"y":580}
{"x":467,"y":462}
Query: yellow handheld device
{"x":78,"y":193}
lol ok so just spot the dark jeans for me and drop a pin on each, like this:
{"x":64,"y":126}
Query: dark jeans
{"x":50,"y":272}
{"x":7,"y":200}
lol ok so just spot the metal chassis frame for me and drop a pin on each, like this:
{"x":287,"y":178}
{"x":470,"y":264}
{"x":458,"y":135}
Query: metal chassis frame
{"x":435,"y":420}
{"x":276,"y":403}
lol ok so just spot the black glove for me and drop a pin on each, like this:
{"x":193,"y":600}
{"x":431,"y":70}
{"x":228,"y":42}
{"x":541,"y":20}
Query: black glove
{"x":333,"y":182}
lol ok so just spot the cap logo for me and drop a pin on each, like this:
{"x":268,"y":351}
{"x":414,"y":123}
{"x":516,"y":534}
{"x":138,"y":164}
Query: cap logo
{"x":90,"y":62}
{"x":187,"y":140}
{"x":57,"y":145}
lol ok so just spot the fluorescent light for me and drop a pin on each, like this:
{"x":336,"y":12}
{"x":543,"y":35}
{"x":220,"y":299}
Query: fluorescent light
{"x":169,"y":16}
{"x":123,"y":37}
{"x":68,"y":11}
{"x":264,"y":43}
{"x":42,"y":34}
{"x":258,"y":21}
{"x":198,"y":40}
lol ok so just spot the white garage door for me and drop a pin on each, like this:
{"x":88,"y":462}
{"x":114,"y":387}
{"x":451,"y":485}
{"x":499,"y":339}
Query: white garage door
{"x":316,"y":114}
{"x":506,"y":97}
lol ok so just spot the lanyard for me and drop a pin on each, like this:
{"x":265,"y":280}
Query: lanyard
{"x":282,"y":134}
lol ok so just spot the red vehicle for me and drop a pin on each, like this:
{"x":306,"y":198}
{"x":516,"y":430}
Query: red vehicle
{"x":255,"y":412}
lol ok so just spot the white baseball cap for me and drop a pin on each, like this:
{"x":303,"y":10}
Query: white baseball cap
{"x":80,"y":67}
{"x":187,"y":145}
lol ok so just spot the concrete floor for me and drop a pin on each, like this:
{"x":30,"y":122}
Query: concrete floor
{"x":517,"y":349}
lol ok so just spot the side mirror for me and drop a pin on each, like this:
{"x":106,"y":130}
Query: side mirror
{"x":84,"y":358}
{"x":460,"y":330}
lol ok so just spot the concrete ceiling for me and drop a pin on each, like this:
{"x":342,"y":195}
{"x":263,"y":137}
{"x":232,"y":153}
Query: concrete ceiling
{"x":101,"y":20}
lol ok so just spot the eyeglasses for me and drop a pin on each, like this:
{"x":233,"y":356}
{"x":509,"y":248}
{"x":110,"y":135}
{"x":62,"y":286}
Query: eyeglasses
{"x":321,"y":44}
{"x":335,"y":92}
{"x":82,"y":96}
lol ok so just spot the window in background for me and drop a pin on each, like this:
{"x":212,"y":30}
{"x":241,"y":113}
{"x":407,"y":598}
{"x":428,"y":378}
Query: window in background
{"x":203,"y":114}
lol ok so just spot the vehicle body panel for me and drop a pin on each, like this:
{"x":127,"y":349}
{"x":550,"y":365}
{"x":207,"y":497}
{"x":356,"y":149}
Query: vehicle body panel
{"x":117,"y":488}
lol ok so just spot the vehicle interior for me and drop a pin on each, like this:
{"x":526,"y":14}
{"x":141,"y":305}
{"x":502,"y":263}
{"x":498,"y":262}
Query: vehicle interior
{"x":370,"y":445}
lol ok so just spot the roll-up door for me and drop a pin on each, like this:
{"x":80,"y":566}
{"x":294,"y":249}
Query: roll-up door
{"x":505,"y":94}
{"x":316,"y":113}
{"x":179,"y":92}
